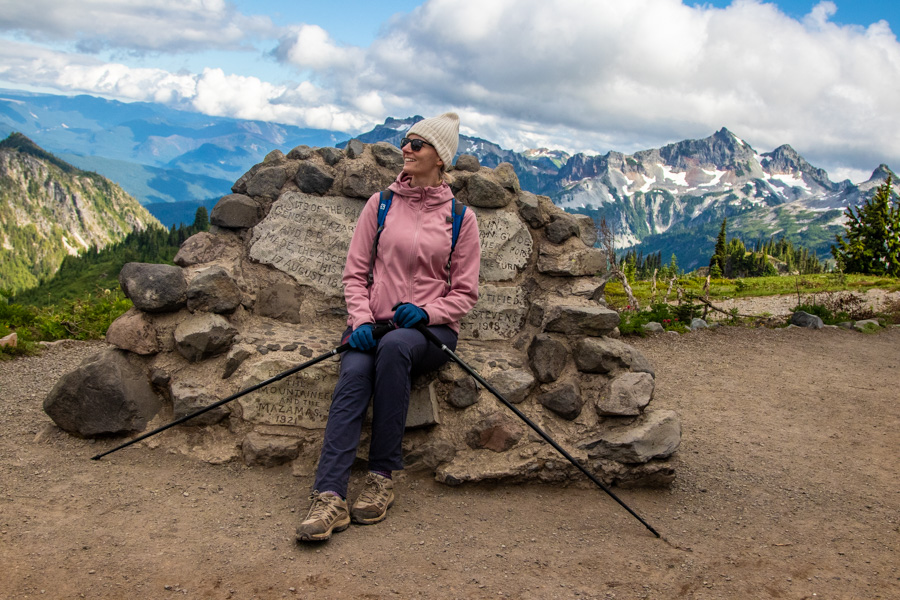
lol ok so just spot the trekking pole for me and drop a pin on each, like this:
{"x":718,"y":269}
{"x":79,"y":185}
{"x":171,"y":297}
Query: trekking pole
{"x":434,"y":340}
{"x":376,"y":333}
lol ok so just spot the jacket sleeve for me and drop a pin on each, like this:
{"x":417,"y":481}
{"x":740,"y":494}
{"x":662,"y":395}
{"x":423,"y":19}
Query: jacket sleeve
{"x":464,"y":270}
{"x":356,"y":291}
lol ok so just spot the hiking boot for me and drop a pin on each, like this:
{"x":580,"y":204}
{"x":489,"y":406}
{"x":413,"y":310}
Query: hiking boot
{"x":374,"y":501}
{"x":327,"y":513}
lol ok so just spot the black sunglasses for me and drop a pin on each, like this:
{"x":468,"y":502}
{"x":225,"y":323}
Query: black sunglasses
{"x":415,"y":144}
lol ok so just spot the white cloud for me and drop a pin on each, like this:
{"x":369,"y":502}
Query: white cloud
{"x":582,"y":76}
{"x":136,"y":25}
{"x":632,"y":75}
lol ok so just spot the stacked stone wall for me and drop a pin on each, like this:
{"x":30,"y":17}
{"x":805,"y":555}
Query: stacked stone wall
{"x":261,"y":292}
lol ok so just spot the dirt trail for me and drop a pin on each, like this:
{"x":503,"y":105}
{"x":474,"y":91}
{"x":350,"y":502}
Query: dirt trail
{"x":787,"y":488}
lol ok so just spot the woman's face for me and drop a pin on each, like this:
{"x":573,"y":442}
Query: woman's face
{"x":424,"y":164}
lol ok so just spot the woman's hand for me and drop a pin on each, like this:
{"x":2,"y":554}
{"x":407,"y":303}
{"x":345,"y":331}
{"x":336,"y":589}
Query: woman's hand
{"x":362,"y":339}
{"x":409,"y":315}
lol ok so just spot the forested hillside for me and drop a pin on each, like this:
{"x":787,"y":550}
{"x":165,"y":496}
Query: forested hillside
{"x":50,"y":209}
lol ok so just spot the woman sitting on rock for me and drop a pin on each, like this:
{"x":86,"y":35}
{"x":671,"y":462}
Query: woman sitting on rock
{"x":414,"y":280}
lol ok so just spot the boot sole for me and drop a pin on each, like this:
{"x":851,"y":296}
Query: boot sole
{"x":371,"y":521}
{"x":325,"y":535}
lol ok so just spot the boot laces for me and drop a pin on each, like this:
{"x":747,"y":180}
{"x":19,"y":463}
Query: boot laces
{"x":374,"y":488}
{"x":321,"y":507}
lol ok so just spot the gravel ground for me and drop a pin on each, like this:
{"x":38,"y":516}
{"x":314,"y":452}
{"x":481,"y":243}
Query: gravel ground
{"x":786,"y":488}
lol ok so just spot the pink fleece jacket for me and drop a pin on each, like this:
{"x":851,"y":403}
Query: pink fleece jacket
{"x":411,"y":262}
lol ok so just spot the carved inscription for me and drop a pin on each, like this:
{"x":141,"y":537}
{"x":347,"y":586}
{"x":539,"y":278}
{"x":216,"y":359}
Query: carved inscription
{"x":498,"y":315}
{"x":307,"y":237}
{"x":506,"y":245}
{"x":302,"y":399}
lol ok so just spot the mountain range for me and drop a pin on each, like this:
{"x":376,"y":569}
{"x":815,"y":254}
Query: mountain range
{"x":669,"y":200}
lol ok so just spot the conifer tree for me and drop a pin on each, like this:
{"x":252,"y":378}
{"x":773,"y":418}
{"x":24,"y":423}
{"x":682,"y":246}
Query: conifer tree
{"x":718,"y":257}
{"x":870,"y":243}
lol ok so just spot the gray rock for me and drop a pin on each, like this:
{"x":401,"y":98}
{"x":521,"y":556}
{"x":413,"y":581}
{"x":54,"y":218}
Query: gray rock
{"x":281,"y":301}
{"x":200,"y":248}
{"x":575,"y":263}
{"x":587,"y":229}
{"x":653,"y":327}
{"x":313,"y":179}
{"x":656,"y":434}
{"x":513,"y":384}
{"x":388,"y":156}
{"x":134,"y":332}
{"x":213,"y":290}
{"x":506,"y":177}
{"x":236,"y":357}
{"x":581,"y":320}
{"x":203,"y":335}
{"x":484,"y":192}
{"x":240,"y":186}
{"x":606,"y":355}
{"x":275,"y":156}
{"x":804,"y":319}
{"x":235,"y":211}
{"x":188,"y":398}
{"x":269,"y":450}
{"x":301,"y":152}
{"x":468,"y":162}
{"x":430,"y":455}
{"x":463,"y":392}
{"x":105,"y":395}
{"x":362,"y":179}
{"x":331,"y":156}
{"x":423,"y":405}
{"x":354,"y":148}
{"x":497,"y":432}
{"x":547,"y":357}
{"x":561,"y":228}
{"x":698,"y":324}
{"x":267,"y":182}
{"x":154,"y":288}
{"x":530,"y":210}
{"x":628,"y":394}
{"x":565,"y":400}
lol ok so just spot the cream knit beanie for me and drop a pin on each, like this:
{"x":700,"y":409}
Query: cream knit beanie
{"x":441,"y":132}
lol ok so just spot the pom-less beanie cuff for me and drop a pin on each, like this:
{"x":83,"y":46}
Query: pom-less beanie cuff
{"x":441,"y":132}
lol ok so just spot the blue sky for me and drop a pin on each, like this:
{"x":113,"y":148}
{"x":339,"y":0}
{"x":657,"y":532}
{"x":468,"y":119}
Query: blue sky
{"x":578,"y":75}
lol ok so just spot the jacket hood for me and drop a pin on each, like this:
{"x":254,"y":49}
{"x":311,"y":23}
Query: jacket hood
{"x":433,"y":197}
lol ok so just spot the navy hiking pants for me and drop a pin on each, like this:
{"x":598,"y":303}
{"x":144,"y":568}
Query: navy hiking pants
{"x":384,"y":376}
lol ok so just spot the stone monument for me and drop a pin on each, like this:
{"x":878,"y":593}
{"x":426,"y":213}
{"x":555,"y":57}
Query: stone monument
{"x":261,"y":292}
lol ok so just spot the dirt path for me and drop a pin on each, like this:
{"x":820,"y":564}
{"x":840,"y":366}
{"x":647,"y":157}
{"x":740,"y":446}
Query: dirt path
{"x":787,"y":488}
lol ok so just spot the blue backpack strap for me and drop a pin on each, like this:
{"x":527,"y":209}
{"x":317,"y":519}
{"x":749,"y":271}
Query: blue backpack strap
{"x":384,"y":204}
{"x":458,"y":211}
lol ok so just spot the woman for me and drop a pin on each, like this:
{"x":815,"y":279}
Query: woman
{"x":414,"y":280}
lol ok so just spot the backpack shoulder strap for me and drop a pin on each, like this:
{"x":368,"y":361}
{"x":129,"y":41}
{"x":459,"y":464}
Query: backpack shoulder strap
{"x":458,"y":211}
{"x":384,"y":204}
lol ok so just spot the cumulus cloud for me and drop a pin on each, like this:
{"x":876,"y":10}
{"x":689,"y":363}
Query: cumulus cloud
{"x":632,"y":75}
{"x":577,"y":75}
{"x":136,"y":25}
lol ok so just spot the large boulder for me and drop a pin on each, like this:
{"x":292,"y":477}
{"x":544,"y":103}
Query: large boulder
{"x":105,"y":395}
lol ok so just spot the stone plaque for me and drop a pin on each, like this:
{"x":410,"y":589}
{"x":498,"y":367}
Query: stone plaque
{"x":301,"y":399}
{"x":505,"y":245}
{"x":498,"y":315}
{"x":307,"y":237}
